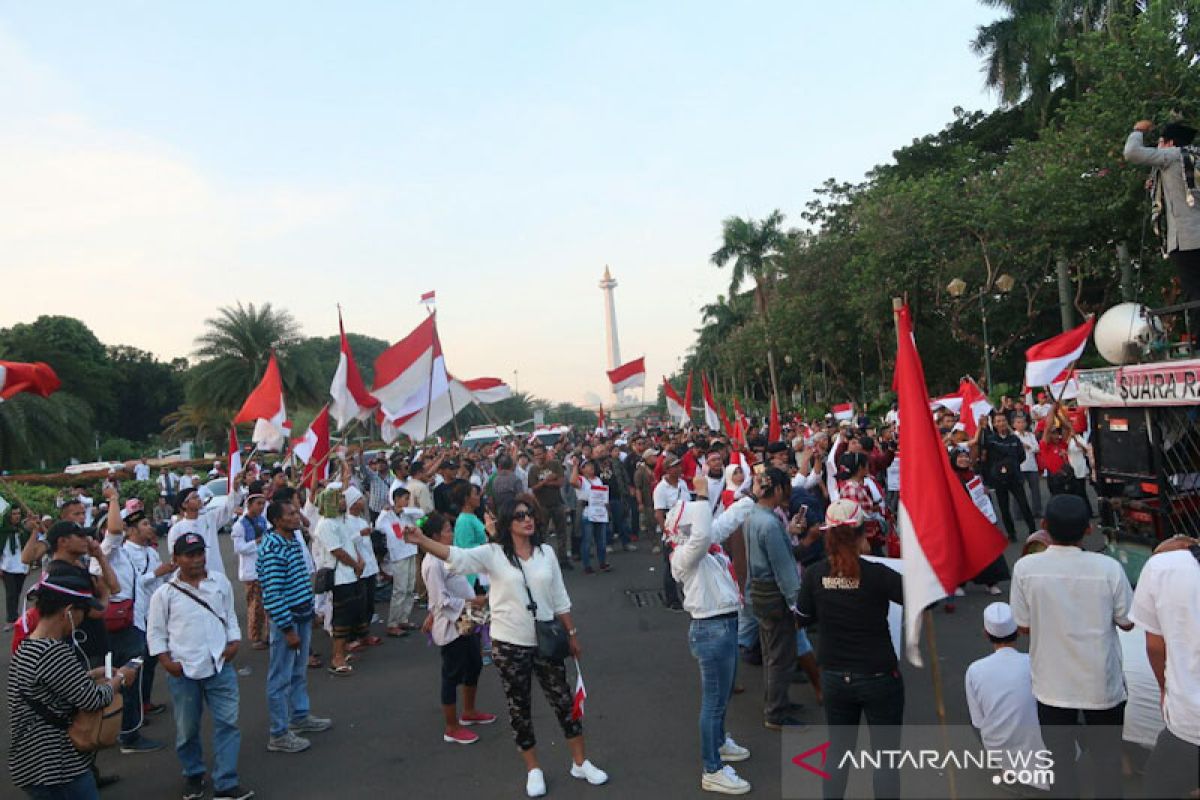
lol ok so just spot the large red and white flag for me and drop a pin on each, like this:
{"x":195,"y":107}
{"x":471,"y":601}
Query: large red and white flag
{"x":36,"y":378}
{"x":264,"y":407}
{"x":1046,"y":360}
{"x":675,"y":407}
{"x":774,"y":429}
{"x":351,"y":400}
{"x":944,"y":538}
{"x":580,"y":694}
{"x":449,"y":399}
{"x":950,"y":402}
{"x":488,"y":390}
{"x":975,"y":404}
{"x":630,"y":375}
{"x":712,"y":417}
{"x":412,"y":372}
{"x":843,"y":411}
{"x":235,"y":460}
{"x":313,"y":450}
{"x":687,"y":401}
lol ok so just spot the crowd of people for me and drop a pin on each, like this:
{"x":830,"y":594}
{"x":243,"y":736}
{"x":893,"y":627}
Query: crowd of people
{"x":765,"y":545}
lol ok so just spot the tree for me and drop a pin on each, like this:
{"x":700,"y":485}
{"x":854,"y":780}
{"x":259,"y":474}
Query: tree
{"x":34,"y":429}
{"x":146,"y":390}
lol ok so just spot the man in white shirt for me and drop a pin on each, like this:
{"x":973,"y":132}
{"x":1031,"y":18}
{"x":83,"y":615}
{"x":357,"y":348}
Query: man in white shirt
{"x":207,"y":525}
{"x":401,"y":561}
{"x":188,"y":479}
{"x":1167,"y":605}
{"x":194,"y":633}
{"x":669,"y":491}
{"x":1071,"y":603}
{"x":1000,"y":693}
{"x":141,"y":470}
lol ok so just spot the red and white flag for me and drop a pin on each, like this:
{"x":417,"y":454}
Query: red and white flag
{"x":36,"y":378}
{"x":844,"y":411}
{"x":410,"y":374}
{"x":675,"y":407}
{"x":449,"y":399}
{"x":975,"y":404}
{"x":1047,"y":360}
{"x":951,"y":402}
{"x":687,"y":402}
{"x":600,"y":421}
{"x":831,"y":469}
{"x":580,"y":694}
{"x":429,"y":298}
{"x":351,"y":400}
{"x":488,"y":390}
{"x":313,"y":450}
{"x":712,"y":418}
{"x":630,"y":375}
{"x":235,"y":459}
{"x":264,"y":407}
{"x":739,"y":417}
{"x":944,"y":538}
{"x":774,"y":429}
{"x":1064,"y":386}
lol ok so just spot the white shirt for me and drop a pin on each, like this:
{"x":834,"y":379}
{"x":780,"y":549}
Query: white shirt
{"x":666,"y":495}
{"x":187,"y":482}
{"x":708,"y":586}
{"x":144,"y":560}
{"x":1030,"y":442}
{"x":10,"y":559}
{"x":448,"y":595}
{"x":363,"y":547}
{"x":1077,"y":456}
{"x":594,"y":509}
{"x":247,"y":551}
{"x":335,"y":533}
{"x":1000,"y":699}
{"x":1071,"y":601}
{"x":193,"y":635}
{"x":1040,"y":411}
{"x":120,"y":563}
{"x":1167,"y":604}
{"x":806,"y":482}
{"x":397,"y":548}
{"x":893,"y":475}
{"x":207,"y":524}
{"x":511,"y":620}
{"x":141,"y":472}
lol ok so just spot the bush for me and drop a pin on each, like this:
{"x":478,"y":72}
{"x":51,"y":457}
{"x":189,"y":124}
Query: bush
{"x":40,"y":499}
{"x":118,"y":449}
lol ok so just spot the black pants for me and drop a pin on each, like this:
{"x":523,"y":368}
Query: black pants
{"x":670,"y":587}
{"x":14,"y":582}
{"x":462,"y":661}
{"x":1015,"y":491}
{"x":1187,"y":267}
{"x":1100,"y":736}
{"x":848,"y":697}
{"x":1174,"y":767}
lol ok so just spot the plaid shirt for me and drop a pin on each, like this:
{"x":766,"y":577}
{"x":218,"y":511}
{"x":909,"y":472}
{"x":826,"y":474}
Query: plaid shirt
{"x":860,"y":494}
{"x":376,"y":489}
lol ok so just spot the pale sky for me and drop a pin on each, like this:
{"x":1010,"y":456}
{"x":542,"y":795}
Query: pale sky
{"x":159,"y":160}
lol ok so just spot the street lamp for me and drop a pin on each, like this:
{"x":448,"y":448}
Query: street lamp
{"x":1004,"y":284}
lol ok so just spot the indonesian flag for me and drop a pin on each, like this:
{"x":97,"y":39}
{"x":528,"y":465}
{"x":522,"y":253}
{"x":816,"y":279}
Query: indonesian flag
{"x":600,"y":421}
{"x":580,"y":694}
{"x":235,"y":459}
{"x":944,"y":538}
{"x":1065,"y":387}
{"x":951,"y":402}
{"x":488,"y":390}
{"x":974,"y":403}
{"x":628,"y":376}
{"x":264,"y":407}
{"x":711,"y":416}
{"x":450,"y":397}
{"x":410,"y":374}
{"x":313,"y":450}
{"x":351,"y":400}
{"x":831,"y":470}
{"x":687,"y":402}
{"x":845,"y":411}
{"x":731,"y":430}
{"x":774,"y":430}
{"x":1046,"y":360}
{"x":743,"y":424}
{"x":429,"y":298}
{"x":36,"y":378}
{"x":676,"y":409}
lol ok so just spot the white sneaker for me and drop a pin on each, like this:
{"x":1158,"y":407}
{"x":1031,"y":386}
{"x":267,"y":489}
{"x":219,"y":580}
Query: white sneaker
{"x":589,"y":772}
{"x":994,"y":590}
{"x":732,"y":751}
{"x":535,"y":784}
{"x":724,"y":781}
{"x":960,"y":592}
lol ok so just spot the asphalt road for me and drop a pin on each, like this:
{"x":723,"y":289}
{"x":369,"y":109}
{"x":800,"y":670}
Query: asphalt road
{"x":640,"y":724}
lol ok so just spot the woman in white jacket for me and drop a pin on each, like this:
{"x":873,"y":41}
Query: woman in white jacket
{"x":712,"y":597}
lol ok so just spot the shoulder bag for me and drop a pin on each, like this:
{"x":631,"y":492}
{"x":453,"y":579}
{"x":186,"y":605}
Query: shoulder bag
{"x":88,"y":731}
{"x":552,"y":640}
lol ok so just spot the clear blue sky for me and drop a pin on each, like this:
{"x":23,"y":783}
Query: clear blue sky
{"x":164,"y":159}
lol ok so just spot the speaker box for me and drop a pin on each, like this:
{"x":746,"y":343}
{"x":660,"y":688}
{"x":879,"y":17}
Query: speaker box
{"x":1121,"y":442}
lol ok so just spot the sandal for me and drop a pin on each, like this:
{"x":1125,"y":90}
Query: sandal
{"x":342,"y":671}
{"x":315,"y":662}
{"x":372,"y":641}
{"x":355,"y":646}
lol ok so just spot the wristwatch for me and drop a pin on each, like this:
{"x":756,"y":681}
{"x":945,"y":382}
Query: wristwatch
{"x":572,"y":632}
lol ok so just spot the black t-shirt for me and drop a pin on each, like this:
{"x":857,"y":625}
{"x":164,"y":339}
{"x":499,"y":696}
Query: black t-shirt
{"x":1004,"y":457}
{"x":851,"y":616}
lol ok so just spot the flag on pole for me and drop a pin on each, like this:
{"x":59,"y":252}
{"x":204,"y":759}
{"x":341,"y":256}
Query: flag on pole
{"x":951,"y":402}
{"x":739,"y":417}
{"x":731,"y":430}
{"x":711,"y":416}
{"x":429,"y":298}
{"x":629,"y":375}
{"x":831,"y":470}
{"x":313,"y":450}
{"x":351,"y":400}
{"x":449,"y":399}
{"x":1048,"y":359}
{"x":488,"y":390}
{"x":1065,"y":387}
{"x":975,"y":404}
{"x":844,"y":411}
{"x":580,"y":694}
{"x":676,"y":409}
{"x":235,"y":459}
{"x":687,"y":401}
{"x":775,"y":429}
{"x":37,"y":378}
{"x":410,"y":374}
{"x":264,"y":407}
{"x":944,"y":538}
{"x":600,"y":421}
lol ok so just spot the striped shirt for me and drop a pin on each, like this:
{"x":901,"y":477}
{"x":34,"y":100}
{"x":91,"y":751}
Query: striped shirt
{"x":49,"y":672}
{"x":286,"y":584}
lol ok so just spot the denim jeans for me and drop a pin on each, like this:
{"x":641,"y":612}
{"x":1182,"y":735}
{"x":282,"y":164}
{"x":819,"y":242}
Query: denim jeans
{"x":849,"y":696}
{"x":713,"y":643}
{"x":618,"y":511}
{"x":220,"y":692}
{"x":81,"y":788}
{"x":594,"y":534}
{"x":747,"y":625}
{"x":287,"y":677}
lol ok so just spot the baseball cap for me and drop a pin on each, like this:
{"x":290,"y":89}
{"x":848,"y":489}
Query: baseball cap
{"x":189,"y":543}
{"x":843,"y":512}
{"x":671,"y":460}
{"x":998,"y":620}
{"x":61,"y":529}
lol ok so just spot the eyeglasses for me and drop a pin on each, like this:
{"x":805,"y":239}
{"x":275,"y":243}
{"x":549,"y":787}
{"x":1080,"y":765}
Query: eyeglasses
{"x":521,"y":516}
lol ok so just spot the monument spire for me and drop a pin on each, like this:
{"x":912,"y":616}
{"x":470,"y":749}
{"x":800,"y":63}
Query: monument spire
{"x":607,"y":284}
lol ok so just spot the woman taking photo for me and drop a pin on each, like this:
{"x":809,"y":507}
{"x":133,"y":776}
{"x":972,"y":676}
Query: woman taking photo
{"x":526,"y":584}
{"x":847,"y":597}
{"x":462,"y":657}
{"x":47,"y":685}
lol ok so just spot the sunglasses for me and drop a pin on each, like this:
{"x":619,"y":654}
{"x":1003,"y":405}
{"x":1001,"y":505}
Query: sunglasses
{"x":521,"y":516}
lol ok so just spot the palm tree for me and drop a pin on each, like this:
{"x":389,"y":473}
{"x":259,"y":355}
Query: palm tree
{"x":234,"y":352}
{"x":36,"y":429}
{"x":754,"y":248}
{"x":193,"y":422}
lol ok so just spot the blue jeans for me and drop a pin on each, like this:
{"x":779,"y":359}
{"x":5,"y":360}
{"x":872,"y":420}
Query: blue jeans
{"x":618,"y":511}
{"x":593,"y":534}
{"x":747,"y":625}
{"x":81,"y":788}
{"x":849,"y":696}
{"x":713,"y":643}
{"x":287,"y":677}
{"x":220,"y":692}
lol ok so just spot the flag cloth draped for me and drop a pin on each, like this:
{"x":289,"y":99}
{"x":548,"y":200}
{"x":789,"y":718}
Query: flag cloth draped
{"x":235,"y":460}
{"x":37,"y":378}
{"x":410,"y":374}
{"x":313,"y":450}
{"x":774,"y":430}
{"x":629,"y":375}
{"x":739,"y":417}
{"x":600,"y":428}
{"x":712,"y":417}
{"x":449,"y":399}
{"x":488,"y":390}
{"x":975,"y":404}
{"x":944,"y":538}
{"x":844,"y":411}
{"x":580,"y":694}
{"x":1046,"y":360}
{"x":687,"y":402}
{"x":264,"y":407}
{"x":349,"y":394}
{"x":675,"y":406}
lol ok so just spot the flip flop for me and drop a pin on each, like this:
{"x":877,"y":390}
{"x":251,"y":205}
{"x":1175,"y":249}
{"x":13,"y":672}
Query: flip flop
{"x":342,"y":671}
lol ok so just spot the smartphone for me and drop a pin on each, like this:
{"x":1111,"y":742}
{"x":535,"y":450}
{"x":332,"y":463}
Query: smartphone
{"x":135,"y":662}
{"x":802,"y":513}
{"x":760,"y":468}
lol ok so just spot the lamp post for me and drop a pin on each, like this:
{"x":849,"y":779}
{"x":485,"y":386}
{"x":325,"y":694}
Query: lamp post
{"x":1004,"y":284}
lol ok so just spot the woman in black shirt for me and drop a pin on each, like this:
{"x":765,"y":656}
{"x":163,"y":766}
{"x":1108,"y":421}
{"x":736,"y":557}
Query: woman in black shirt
{"x":847,"y":598}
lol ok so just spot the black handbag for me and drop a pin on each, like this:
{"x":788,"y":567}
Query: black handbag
{"x":553,"y":643}
{"x":323,"y":580}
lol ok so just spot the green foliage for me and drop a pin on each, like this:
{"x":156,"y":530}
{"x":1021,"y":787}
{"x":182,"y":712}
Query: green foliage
{"x":51,"y":429}
{"x":146,"y":390}
{"x":118,"y":449}
{"x":146,"y":491}
{"x":39,"y":499}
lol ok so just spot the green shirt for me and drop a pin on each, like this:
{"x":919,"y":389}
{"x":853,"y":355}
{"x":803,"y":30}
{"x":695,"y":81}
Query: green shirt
{"x":469,"y":532}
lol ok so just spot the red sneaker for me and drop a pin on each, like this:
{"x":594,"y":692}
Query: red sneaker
{"x":460,"y":736}
{"x":478,"y":718}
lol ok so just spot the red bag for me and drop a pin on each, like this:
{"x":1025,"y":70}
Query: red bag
{"x":118,"y":615}
{"x":24,"y":627}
